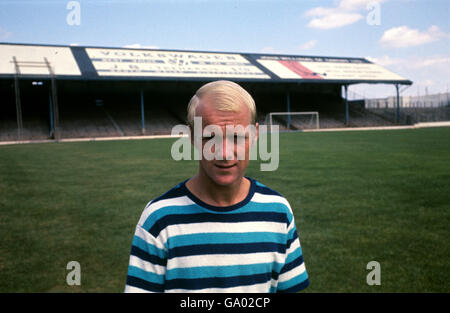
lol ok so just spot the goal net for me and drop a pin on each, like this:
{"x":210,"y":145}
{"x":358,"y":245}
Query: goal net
{"x":293,"y":120}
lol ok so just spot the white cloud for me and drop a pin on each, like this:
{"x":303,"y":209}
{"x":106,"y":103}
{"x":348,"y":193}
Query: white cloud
{"x":437,"y":62}
{"x":385,"y":60}
{"x":432,"y":71}
{"x":308,"y":45}
{"x":320,"y":11}
{"x":346,"y":13}
{"x":4,"y":34}
{"x":334,"y":20}
{"x":139,"y":46}
{"x":403,"y":36}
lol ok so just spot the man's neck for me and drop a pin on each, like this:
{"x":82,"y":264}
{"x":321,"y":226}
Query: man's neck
{"x":217,"y":195}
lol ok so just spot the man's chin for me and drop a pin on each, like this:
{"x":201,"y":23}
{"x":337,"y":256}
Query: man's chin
{"x":225,"y":180}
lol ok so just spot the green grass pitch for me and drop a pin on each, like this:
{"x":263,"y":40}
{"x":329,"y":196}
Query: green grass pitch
{"x":357,"y":197}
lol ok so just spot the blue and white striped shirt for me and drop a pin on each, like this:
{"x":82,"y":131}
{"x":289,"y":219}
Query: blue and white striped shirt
{"x":182,"y":244}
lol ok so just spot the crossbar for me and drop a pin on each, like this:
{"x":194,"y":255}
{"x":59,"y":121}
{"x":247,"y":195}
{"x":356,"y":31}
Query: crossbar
{"x":294,"y":113}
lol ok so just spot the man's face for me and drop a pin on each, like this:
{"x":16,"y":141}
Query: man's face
{"x":225,"y":169}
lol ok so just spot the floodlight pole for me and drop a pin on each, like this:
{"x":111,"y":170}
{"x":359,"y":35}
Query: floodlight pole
{"x":142,"y":112}
{"x":346,"y":105}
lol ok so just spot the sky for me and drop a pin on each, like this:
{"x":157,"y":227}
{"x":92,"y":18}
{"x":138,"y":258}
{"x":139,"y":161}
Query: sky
{"x":408,"y":37}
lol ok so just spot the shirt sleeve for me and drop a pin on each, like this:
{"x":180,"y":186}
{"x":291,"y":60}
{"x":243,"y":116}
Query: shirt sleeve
{"x":147,"y":266}
{"x":293,"y":276}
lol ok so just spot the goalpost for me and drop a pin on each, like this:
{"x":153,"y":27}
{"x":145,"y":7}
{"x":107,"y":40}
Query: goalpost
{"x":313,"y":121}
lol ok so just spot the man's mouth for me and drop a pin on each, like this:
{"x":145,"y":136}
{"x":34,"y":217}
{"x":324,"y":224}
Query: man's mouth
{"x":225,"y":166}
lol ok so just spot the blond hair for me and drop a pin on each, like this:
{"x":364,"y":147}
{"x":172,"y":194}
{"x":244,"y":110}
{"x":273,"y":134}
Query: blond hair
{"x":225,"y":96}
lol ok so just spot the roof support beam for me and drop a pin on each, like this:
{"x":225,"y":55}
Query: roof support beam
{"x":346,"y":105}
{"x":50,"y":102}
{"x":18,"y":102}
{"x":397,"y":114}
{"x":288,"y":109}
{"x":54,"y":100}
{"x":142,"y":112}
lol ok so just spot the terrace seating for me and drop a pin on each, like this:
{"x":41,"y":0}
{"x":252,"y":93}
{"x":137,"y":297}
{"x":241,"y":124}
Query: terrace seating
{"x":81,"y":118}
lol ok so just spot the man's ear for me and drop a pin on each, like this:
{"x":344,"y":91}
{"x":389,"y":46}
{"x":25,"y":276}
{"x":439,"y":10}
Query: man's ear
{"x":191,"y":134}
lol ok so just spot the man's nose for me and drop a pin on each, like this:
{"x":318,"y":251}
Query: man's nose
{"x":227,"y":152}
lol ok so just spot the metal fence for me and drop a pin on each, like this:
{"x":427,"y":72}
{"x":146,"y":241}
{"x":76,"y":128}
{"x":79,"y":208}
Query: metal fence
{"x":413,"y":109}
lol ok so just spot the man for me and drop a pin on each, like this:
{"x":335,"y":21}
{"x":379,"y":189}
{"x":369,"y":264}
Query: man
{"x":219,"y":231}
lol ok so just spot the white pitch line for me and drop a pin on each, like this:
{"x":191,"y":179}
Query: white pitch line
{"x":418,"y":125}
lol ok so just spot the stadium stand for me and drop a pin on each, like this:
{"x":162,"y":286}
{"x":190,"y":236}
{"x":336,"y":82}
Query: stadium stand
{"x":106,"y":92}
{"x":114,"y":114}
{"x":35,"y":114}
